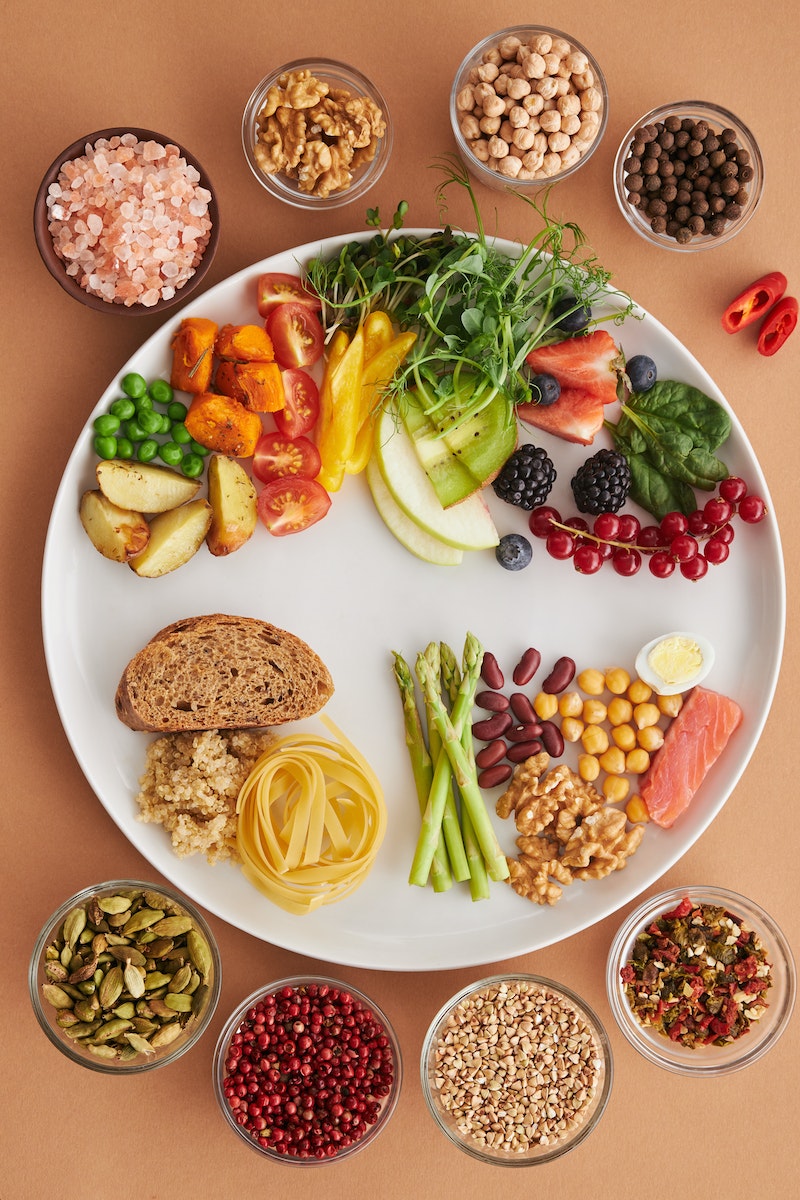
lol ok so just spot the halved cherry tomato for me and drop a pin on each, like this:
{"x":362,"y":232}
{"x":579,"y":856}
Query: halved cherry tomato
{"x":291,"y":505}
{"x":753,"y":302}
{"x":277,"y":456}
{"x":297,"y":335}
{"x":301,"y":409}
{"x":778,"y":324}
{"x":275,"y":288}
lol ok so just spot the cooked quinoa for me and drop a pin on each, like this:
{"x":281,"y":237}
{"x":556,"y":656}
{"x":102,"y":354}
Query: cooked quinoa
{"x":190,"y":785}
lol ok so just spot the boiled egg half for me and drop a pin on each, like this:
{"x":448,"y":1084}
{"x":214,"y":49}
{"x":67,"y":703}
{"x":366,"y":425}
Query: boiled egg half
{"x":674,"y":662}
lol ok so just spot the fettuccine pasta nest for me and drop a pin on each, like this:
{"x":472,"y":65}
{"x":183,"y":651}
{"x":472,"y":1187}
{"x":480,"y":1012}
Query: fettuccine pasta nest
{"x":311,"y":819}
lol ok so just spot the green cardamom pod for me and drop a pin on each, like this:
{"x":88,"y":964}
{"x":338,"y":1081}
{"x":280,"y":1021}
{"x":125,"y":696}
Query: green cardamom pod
{"x":74,"y":925}
{"x":143,"y":919}
{"x":85,"y":1010}
{"x":172,"y":926}
{"x":83,"y":1029}
{"x":140,"y":1044}
{"x":134,"y":981}
{"x":154,"y":980}
{"x":199,"y":950}
{"x":56,"y":996}
{"x":110,"y":989}
{"x":114,"y":905}
{"x":102,"y":1051}
{"x":180,"y":979}
{"x":145,"y":1028}
{"x":178,"y":1002}
{"x":128,"y":954}
{"x":55,"y":972}
{"x":166,"y":1035}
{"x":200,"y":999}
{"x":127,"y":1010}
{"x":159,"y":1009}
{"x":111,"y":1029}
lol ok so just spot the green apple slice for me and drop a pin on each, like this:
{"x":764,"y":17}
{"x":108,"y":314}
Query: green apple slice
{"x":421,"y":543}
{"x":467,"y":525}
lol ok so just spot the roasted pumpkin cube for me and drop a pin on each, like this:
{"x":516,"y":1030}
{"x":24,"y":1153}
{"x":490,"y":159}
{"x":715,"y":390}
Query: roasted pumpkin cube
{"x":193,"y":354}
{"x":223,"y":424}
{"x":245,"y":343}
{"x":256,"y":385}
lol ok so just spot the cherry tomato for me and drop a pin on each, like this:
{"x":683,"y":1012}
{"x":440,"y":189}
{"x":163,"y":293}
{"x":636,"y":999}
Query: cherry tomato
{"x":277,"y":456}
{"x":292,"y":504}
{"x":297,"y":335}
{"x":275,"y":288}
{"x":300,"y":412}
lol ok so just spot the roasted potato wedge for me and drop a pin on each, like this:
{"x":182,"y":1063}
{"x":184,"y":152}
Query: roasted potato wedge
{"x":118,"y":533}
{"x":143,"y":487}
{"x":175,"y":536}
{"x":233,"y":505}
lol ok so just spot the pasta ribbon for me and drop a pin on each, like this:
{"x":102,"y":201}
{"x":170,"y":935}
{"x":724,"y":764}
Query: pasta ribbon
{"x":311,"y":819}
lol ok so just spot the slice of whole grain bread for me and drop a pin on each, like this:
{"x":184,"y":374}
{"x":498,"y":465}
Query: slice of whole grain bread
{"x":221,"y":672}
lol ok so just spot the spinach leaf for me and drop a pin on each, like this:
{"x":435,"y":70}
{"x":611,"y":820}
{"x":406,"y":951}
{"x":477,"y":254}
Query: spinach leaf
{"x":669,"y":436}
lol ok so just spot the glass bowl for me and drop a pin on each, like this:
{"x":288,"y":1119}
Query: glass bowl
{"x":550,"y":145}
{"x":529,"y":1003}
{"x":693,"y":231}
{"x":134,"y":976}
{"x":368,"y":162}
{"x":705,"y":1060}
{"x":56,"y":264}
{"x":290,"y":1018}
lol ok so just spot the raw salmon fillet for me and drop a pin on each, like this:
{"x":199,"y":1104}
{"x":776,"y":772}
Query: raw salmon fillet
{"x":692,"y":744}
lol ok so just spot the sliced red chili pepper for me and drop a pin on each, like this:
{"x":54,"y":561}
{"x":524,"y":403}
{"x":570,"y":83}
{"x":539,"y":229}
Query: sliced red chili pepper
{"x":682,"y":909}
{"x":778,"y":324}
{"x":754,"y":301}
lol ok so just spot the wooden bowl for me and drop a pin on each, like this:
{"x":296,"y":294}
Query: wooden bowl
{"x":56,"y":265}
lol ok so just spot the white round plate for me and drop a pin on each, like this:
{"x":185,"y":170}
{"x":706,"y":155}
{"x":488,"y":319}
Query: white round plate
{"x":355,"y":595}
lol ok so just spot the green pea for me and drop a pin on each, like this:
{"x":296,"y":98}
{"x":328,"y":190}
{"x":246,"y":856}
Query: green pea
{"x":134,"y":385}
{"x":181,"y":435}
{"x":124,"y":448}
{"x":192,"y":465}
{"x":123,"y":408}
{"x":166,"y":424}
{"x":150,"y":422}
{"x":198,"y":449}
{"x":143,"y":404}
{"x":105,"y":446}
{"x":106,"y":425}
{"x":147,"y":450}
{"x":177,"y":411}
{"x":171,"y":454}
{"x":134,"y":431}
{"x":161,"y":391}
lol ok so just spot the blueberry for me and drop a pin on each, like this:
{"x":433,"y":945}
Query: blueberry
{"x":569,"y":317}
{"x":514,"y":552}
{"x":642,"y":372}
{"x":545,"y":390}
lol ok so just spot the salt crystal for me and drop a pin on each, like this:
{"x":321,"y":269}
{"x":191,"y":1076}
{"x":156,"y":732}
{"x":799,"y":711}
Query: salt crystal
{"x":95,"y":224}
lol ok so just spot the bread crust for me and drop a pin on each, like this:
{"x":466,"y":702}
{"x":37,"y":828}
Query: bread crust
{"x":218,"y":671}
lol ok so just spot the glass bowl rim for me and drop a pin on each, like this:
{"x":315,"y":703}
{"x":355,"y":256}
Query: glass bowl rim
{"x":55,"y":265}
{"x":478,"y":168}
{"x":370,"y":175}
{"x":599,"y":1032}
{"x":46,"y":934}
{"x":229,"y":1028}
{"x":704,"y":109}
{"x":668,"y":1056}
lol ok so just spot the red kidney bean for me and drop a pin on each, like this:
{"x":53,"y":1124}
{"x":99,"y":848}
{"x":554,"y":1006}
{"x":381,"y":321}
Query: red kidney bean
{"x":560,"y":677}
{"x":522,"y":750}
{"x":552,"y":739}
{"x":524,"y":733}
{"x":522,"y":708}
{"x":494,"y":776}
{"x":491,"y":673}
{"x":492,"y":727}
{"x":492,"y":754}
{"x":527,"y":667}
{"x":492,"y":701}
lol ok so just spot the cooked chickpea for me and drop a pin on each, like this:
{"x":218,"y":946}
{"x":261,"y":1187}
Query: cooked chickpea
{"x":670,"y":706}
{"x":594,"y":739}
{"x":612,"y":761}
{"x":571,"y":729}
{"x":636,"y":810}
{"x":620,"y":710}
{"x":570,"y":704}
{"x":544,"y":705}
{"x":588,"y":767}
{"x":594,"y":712}
{"x":645,"y":714}
{"x":637,"y":761}
{"x":624,"y":736}
{"x":615,"y":788}
{"x":639,"y":691}
{"x":651,"y":738}
{"x":617,"y":680}
{"x":592,"y":682}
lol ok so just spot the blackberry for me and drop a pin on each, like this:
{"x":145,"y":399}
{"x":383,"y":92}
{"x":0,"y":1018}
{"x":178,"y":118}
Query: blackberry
{"x":526,"y":478}
{"x":602,"y":484}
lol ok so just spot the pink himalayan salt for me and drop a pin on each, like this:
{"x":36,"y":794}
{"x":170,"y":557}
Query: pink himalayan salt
{"x":129,"y":219}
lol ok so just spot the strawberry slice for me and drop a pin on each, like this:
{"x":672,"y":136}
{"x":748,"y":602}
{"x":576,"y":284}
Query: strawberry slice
{"x":587,"y":369}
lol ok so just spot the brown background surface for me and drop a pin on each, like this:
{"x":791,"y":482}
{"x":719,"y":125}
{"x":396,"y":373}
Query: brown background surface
{"x":187,"y":69}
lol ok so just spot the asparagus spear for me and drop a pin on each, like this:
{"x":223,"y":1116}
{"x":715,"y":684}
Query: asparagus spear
{"x":450,"y":728}
{"x":442,"y":781}
{"x":478,"y":875}
{"x":421,"y":766}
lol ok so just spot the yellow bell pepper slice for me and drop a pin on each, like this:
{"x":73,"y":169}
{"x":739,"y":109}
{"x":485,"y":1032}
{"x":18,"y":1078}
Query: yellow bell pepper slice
{"x":378,"y":372}
{"x":340,"y":410}
{"x":378,"y":333}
